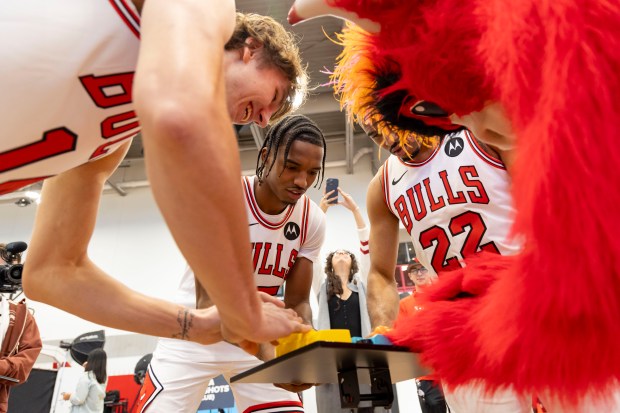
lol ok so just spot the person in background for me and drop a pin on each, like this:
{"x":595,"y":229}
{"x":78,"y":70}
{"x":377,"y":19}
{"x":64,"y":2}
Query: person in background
{"x":345,"y":281}
{"x":342,"y":295}
{"x":418,"y":274}
{"x":90,"y":390}
{"x":21,"y":343}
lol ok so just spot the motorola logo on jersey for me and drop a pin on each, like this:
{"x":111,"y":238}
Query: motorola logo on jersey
{"x":291,"y":231}
{"x":454,"y":146}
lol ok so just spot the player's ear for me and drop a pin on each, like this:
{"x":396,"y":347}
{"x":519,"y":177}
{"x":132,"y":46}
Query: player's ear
{"x":251,"y":49}
{"x":263,"y":154}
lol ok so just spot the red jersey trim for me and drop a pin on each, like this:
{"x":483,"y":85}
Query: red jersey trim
{"x":288,"y":406}
{"x":249,"y":196}
{"x":271,"y":290}
{"x":414,"y":164}
{"x":304,"y":221}
{"x":385,"y":185}
{"x":482,"y":154}
{"x":131,"y":19}
{"x":149,"y":390}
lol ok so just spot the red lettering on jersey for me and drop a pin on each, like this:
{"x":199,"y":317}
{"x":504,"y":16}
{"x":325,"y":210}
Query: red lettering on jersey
{"x":401,"y":207}
{"x":105,"y":91}
{"x":291,"y":260}
{"x":274,"y":269}
{"x":459,"y":198}
{"x":435,"y":204}
{"x":437,"y":235}
{"x":109,"y":90}
{"x":54,"y":142}
{"x":417,"y":203}
{"x":117,"y":124}
{"x":279,"y":272}
{"x":477,"y":229}
{"x":256,"y":247}
{"x":467,"y":173}
{"x":265,"y":270}
{"x":103,"y":149}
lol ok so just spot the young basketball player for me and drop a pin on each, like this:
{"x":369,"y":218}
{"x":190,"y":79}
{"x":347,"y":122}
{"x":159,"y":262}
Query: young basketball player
{"x":286,"y":233}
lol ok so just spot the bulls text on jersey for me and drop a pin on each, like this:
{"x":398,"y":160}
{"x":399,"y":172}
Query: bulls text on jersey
{"x":264,"y":252}
{"x":452,"y":205}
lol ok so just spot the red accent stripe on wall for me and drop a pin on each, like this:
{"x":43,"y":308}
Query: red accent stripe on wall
{"x":126,"y":385}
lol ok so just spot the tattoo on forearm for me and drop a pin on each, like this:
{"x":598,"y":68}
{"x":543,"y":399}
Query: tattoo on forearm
{"x":184,"y":318}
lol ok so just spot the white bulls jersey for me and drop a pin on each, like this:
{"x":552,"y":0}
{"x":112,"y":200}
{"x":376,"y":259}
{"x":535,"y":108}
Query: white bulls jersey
{"x":453,"y":204}
{"x":66,"y":73}
{"x":276,"y":242}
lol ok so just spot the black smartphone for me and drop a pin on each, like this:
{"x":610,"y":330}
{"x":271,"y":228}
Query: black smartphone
{"x":331,"y":185}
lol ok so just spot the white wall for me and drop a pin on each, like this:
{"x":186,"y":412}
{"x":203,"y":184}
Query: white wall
{"x":132,"y":243}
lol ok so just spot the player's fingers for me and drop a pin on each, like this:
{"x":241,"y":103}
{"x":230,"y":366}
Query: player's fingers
{"x":294,"y":388}
{"x":283,"y":314}
{"x":301,"y":328}
{"x":266,"y":298}
{"x":345,"y":195}
{"x":294,"y":317}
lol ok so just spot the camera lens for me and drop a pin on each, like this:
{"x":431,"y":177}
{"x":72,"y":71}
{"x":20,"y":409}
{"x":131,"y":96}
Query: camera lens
{"x":15,"y":273}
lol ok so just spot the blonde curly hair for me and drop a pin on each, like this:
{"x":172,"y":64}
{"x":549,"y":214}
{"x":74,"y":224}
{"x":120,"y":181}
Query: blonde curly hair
{"x":279,"y":50}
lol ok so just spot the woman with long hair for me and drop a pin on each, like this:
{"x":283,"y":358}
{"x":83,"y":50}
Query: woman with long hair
{"x":90,"y":390}
{"x":345,"y":293}
{"x":342,"y":296}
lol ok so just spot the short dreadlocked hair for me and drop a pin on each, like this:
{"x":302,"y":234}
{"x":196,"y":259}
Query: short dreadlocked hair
{"x":288,"y":130}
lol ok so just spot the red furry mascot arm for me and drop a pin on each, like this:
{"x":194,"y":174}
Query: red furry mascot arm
{"x":550,"y":320}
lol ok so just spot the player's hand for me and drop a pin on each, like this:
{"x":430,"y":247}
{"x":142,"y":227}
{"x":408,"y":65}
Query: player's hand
{"x":206,"y":326}
{"x":347,"y":201}
{"x":324,"y":204}
{"x":276,"y":322}
{"x":294,"y":388}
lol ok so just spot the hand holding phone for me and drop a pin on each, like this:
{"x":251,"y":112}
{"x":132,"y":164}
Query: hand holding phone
{"x":330,"y":186}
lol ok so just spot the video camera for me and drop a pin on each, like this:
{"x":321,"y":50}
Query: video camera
{"x":11,"y":272}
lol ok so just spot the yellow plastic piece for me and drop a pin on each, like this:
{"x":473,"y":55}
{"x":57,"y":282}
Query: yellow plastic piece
{"x":297,"y":340}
